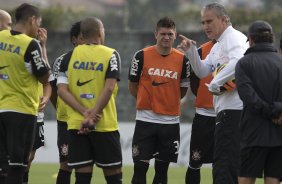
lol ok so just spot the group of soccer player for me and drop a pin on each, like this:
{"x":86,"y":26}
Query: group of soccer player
{"x":82,"y":86}
{"x":27,"y":84}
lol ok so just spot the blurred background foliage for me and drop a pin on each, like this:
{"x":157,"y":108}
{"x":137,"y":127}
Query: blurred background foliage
{"x":141,"y":15}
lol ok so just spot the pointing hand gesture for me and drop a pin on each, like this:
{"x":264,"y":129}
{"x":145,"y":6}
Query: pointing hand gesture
{"x":185,"y":44}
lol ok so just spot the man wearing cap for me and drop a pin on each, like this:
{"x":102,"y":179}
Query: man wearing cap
{"x":259,"y":83}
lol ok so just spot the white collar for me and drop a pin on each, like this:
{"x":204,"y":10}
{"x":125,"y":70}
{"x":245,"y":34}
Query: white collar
{"x":225,"y":32}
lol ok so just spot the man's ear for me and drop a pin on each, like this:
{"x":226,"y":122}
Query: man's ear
{"x":156,"y":33}
{"x":32,"y":20}
{"x":251,"y":41}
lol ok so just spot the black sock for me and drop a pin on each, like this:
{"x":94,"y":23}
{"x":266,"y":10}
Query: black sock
{"x":114,"y":179}
{"x":83,"y":178}
{"x":161,"y":169}
{"x":140,"y":171}
{"x":193,"y":176}
{"x":15,"y":175}
{"x":3,"y":179}
{"x":25,"y":177}
{"x":64,"y":177}
{"x":3,"y":175}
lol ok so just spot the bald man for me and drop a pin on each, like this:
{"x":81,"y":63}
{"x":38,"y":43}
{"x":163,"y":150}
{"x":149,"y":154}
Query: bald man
{"x":87,"y":82}
{"x":5,"y":20}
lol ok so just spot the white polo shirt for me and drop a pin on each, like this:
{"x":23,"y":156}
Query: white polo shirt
{"x":230,"y":47}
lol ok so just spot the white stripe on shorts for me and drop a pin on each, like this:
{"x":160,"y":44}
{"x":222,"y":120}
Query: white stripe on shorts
{"x":80,"y":163}
{"x":18,"y":164}
{"x":111,"y":164}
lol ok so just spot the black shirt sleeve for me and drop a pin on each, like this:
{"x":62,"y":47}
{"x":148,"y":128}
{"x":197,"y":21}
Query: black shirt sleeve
{"x":114,"y":67}
{"x":33,"y":56}
{"x":194,"y":80}
{"x":136,"y":66}
{"x":63,"y":67}
{"x":186,"y":69}
{"x":55,"y":69}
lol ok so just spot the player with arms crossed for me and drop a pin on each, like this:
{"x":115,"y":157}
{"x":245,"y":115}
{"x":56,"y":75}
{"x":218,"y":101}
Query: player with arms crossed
{"x":87,"y":82}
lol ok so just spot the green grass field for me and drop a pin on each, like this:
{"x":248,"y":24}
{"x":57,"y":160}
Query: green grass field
{"x":46,"y":174}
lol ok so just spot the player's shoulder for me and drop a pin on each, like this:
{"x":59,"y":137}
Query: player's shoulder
{"x":60,"y":58}
{"x":175,"y":51}
{"x":138,"y":54}
{"x":107,"y":48}
{"x":150,"y":48}
{"x":208,"y":44}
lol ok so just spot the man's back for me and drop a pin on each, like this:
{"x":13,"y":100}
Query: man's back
{"x":260,"y":88}
{"x":87,"y":67}
{"x":266,"y":70}
{"x":18,"y":83}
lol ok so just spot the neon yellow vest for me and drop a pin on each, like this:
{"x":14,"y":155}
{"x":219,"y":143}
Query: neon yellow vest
{"x":90,"y":63}
{"x":18,"y":88}
{"x":61,"y":110}
{"x":61,"y":107}
{"x":40,"y":91}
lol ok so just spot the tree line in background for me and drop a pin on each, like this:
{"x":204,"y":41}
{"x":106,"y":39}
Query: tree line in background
{"x":137,"y":15}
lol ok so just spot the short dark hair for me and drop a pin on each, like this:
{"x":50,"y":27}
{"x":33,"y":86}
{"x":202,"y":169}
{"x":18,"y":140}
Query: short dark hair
{"x":166,"y":22}
{"x":24,"y":11}
{"x":261,"y":32}
{"x":263,"y":38}
{"x":75,"y":30}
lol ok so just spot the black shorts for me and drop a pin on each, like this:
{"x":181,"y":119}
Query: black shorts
{"x":154,"y":140}
{"x":101,"y":148}
{"x":226,"y":147}
{"x":202,"y":140}
{"x":258,"y":161}
{"x":16,"y":137}
{"x":39,"y":136}
{"x":63,"y":140}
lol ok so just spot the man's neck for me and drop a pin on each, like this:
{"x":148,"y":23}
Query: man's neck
{"x":163,"y":51}
{"x":93,"y":41}
{"x":20,"y":28}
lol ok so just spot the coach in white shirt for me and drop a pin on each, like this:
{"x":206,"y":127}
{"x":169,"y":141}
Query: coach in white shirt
{"x":230,"y":47}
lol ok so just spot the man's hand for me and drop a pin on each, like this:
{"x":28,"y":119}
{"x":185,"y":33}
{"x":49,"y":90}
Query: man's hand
{"x":42,"y":36}
{"x":43,"y":102}
{"x":89,"y":123}
{"x":214,"y":90}
{"x":278,"y":120}
{"x":185,"y":44}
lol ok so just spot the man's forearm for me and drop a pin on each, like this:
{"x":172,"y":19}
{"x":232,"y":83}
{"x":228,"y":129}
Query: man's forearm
{"x":200,"y":68}
{"x":69,"y":99}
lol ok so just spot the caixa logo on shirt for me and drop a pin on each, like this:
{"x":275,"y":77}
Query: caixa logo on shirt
{"x":87,"y":96}
{"x":163,"y":73}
